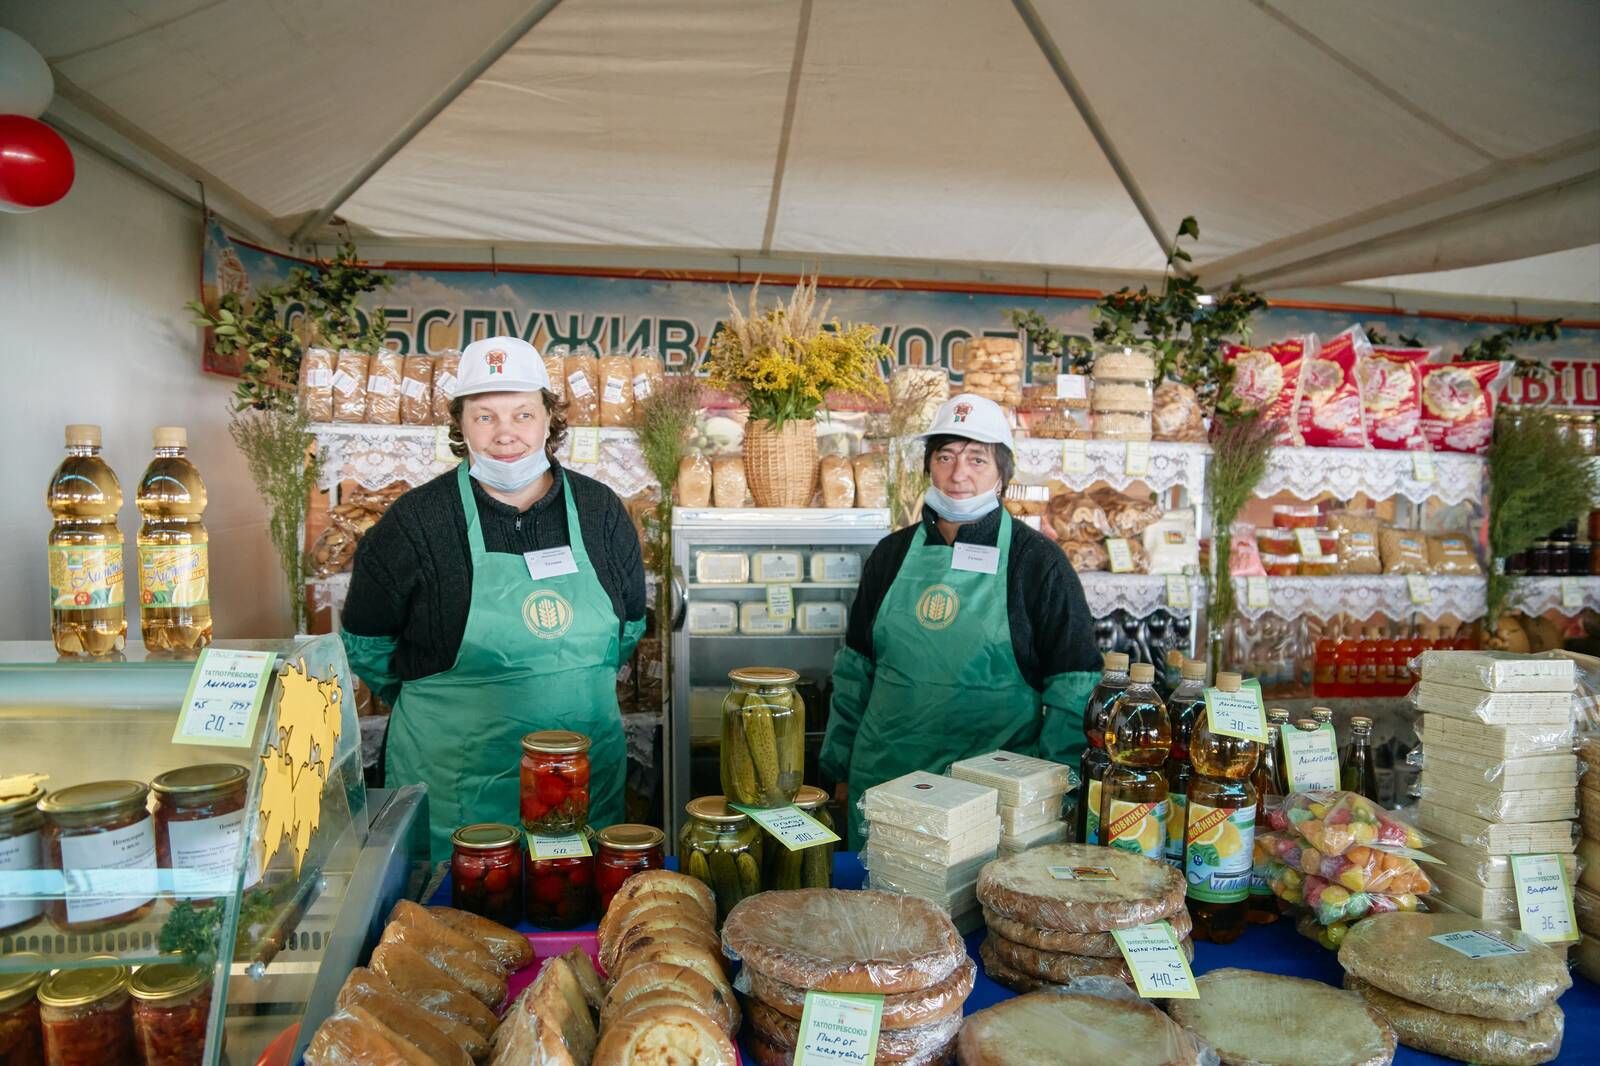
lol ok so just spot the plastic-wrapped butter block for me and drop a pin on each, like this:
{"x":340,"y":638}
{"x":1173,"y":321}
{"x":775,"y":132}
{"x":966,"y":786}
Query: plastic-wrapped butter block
{"x":956,"y":899}
{"x":1498,"y":671}
{"x":931,"y":803}
{"x":1496,"y":805}
{"x":908,"y":869}
{"x":1497,"y":838}
{"x":1029,"y":816}
{"x":1465,"y":895}
{"x":1471,"y":863}
{"x":1495,"y":708}
{"x":979,"y":841}
{"x":1496,"y":743}
{"x":769,"y":568}
{"x":722,"y":568}
{"x":1020,"y":779}
{"x":754,"y":620}
{"x":835,"y":566}
{"x":1049,"y":833}
{"x":821,"y":619}
{"x":1551,"y":770}
{"x":713,"y":617}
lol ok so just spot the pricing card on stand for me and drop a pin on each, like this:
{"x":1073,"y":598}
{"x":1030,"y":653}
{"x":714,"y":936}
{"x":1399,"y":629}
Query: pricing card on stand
{"x":1256,"y":595}
{"x":224,"y":698}
{"x":837,"y":1029}
{"x":1137,"y":461}
{"x":585,"y":444}
{"x":1178,"y":591}
{"x":1422,"y":466}
{"x":441,"y":446}
{"x":780,"y":601}
{"x":794,"y":827}
{"x":1237,"y":714}
{"x":1072,"y":387}
{"x":1120,"y":554}
{"x":1156,"y":961}
{"x":1544,"y":899}
{"x":1075,"y":456}
{"x":565,"y":846}
{"x":1307,"y":541}
{"x":1421,"y":592}
{"x":1571,"y":593}
{"x":1311,"y":759}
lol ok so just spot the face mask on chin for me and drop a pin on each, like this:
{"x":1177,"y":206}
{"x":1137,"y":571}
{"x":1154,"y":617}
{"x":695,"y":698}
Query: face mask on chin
{"x":509,"y":477}
{"x":967,"y":510}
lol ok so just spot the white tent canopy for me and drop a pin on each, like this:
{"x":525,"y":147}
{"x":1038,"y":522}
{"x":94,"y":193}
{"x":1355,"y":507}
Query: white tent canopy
{"x":1318,"y":142}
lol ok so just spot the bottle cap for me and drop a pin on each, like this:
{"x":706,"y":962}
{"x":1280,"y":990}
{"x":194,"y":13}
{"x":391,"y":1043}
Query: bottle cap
{"x":1277,"y":714}
{"x":171,"y":437}
{"x":1142,"y":673}
{"x":83,"y":434}
{"x":1361,"y":721}
{"x":1309,"y":725}
{"x":1194,"y":670}
{"x":1116,"y":661}
{"x":1228,"y":681}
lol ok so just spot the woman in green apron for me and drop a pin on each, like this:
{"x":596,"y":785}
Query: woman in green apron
{"x":498,"y":600}
{"x":969,"y":632}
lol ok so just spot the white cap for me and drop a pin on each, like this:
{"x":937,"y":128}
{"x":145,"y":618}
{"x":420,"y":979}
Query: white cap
{"x":973,"y":417}
{"x":500,"y":364}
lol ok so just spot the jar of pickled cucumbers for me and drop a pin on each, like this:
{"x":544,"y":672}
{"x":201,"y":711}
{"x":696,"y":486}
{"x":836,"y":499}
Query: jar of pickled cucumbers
{"x":722,"y":848}
{"x":810,"y":867}
{"x":763,"y":737}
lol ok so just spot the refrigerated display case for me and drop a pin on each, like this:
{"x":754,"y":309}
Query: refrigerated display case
{"x":731,"y":568}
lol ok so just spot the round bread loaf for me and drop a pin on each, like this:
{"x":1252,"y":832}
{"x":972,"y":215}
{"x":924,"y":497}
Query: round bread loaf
{"x":1534,"y":1040}
{"x":657,"y":1035}
{"x":1046,"y":1026}
{"x":1110,"y":889}
{"x":1103,"y":945}
{"x":1059,"y":967}
{"x":901,"y":1011}
{"x":716,"y":1001}
{"x":1005,"y":975}
{"x":1266,"y":1019}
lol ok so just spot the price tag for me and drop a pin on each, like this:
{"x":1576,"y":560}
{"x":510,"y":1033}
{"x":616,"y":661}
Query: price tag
{"x":794,"y":827}
{"x":441,"y":446}
{"x":780,"y":601}
{"x":1156,"y":961}
{"x":1544,"y":898}
{"x":1136,"y":462}
{"x":1178,"y":590}
{"x":1083,"y":873}
{"x":838,"y":1028}
{"x":585,"y":444}
{"x":1121,"y":555}
{"x":1075,"y":456}
{"x":1571,"y":593}
{"x":1072,"y":387}
{"x":551,"y":562}
{"x":224,"y":697}
{"x":976,"y":558}
{"x":1477,"y":944}
{"x":1311,"y":759}
{"x":1237,"y":714}
{"x":1256,"y":595}
{"x":1421,"y":592}
{"x":565,"y":846}
{"x":1422,"y":466}
{"x":1306,"y":540}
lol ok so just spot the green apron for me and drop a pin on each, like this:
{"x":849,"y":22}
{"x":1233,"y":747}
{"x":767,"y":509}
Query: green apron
{"x":946,"y":684}
{"x":534,"y":656}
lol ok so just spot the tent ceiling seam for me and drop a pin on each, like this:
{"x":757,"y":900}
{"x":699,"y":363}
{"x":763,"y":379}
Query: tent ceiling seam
{"x":797,"y":63}
{"x":140,"y":32}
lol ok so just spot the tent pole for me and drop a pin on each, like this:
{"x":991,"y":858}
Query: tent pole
{"x":802,"y":32}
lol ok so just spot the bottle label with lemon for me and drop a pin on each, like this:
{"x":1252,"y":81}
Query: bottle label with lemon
{"x":1137,"y":827}
{"x":1177,"y":813}
{"x":1219,"y":852}
{"x":1091,"y":831}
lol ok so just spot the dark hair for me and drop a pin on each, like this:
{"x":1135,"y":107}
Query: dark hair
{"x":999,"y":452}
{"x":555,"y":407}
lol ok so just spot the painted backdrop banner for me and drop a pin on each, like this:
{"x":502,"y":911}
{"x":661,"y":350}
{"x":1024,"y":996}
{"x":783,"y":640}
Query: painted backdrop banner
{"x":447,"y":307}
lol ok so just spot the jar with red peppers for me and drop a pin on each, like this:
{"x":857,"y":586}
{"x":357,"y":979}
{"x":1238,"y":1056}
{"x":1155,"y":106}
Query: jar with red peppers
{"x":21,"y":846}
{"x":555,"y":781}
{"x":624,"y":851}
{"x":86,"y":1017}
{"x":200,"y":829}
{"x":100,"y":826}
{"x":486,"y":871}
{"x":171,"y":1005}
{"x":558,"y":889}
{"x":21,"y":1038}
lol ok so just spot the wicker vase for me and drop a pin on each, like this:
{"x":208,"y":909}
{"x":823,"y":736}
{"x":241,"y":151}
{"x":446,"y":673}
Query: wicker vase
{"x":781,"y":464}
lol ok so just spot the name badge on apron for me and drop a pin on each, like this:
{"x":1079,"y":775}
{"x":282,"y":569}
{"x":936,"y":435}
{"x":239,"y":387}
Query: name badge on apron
{"x":552,"y":562}
{"x":976,"y":558}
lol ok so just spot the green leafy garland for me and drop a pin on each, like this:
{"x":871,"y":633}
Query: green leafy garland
{"x":1240,"y":446}
{"x":279,"y":450}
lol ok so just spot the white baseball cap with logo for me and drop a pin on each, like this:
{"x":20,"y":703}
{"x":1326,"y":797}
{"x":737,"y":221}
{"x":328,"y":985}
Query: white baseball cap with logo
{"x":973,"y":417}
{"x":501,"y":364}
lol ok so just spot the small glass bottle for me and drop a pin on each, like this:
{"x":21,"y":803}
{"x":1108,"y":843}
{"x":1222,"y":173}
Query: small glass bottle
{"x":555,"y":782}
{"x":1092,"y":766}
{"x":558,"y":892}
{"x":1133,"y":803}
{"x":1270,"y":787}
{"x":1219,"y":839}
{"x":722,"y":848}
{"x":624,"y":851}
{"x":103,"y":825}
{"x":21,"y":846}
{"x":21,"y":1033}
{"x":1358,"y":772}
{"x":171,"y":1005}
{"x":86,"y":1017}
{"x":486,"y":871}
{"x":199,"y":812}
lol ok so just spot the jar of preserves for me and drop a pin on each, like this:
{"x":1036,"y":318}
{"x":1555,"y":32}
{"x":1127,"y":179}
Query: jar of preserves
{"x":103,"y":825}
{"x":21,"y":843}
{"x":171,"y":1005}
{"x":86,"y":1017}
{"x":200,"y":815}
{"x":722,"y":848}
{"x":810,"y":867}
{"x":558,"y":889}
{"x":763,"y":737}
{"x":486,"y":871}
{"x":21,"y":1038}
{"x":555,"y":781}
{"x":624,"y":851}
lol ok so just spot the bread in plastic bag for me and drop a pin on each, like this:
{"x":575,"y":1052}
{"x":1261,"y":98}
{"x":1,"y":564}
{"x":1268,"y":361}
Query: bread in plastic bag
{"x":1103,"y":888}
{"x":1102,"y":945}
{"x":649,"y":370}
{"x":904,"y":1010}
{"x":509,"y":947}
{"x":1333,"y":821}
{"x":1396,"y":953}
{"x":416,"y":390}
{"x":351,"y":1036}
{"x":1534,"y":1040}
{"x":445,"y":367}
{"x":489,"y":986}
{"x":1127,"y":515}
{"x":1075,"y":516}
{"x":1177,"y":414}
{"x":691,"y":1034}
{"x":1358,"y":869}
{"x":385,"y":371}
{"x":616,"y":390}
{"x":1088,"y":1021}
{"x":445,"y":1042}
{"x":1060,"y":967}
{"x":838,"y":941}
{"x":1268,"y":1019}
{"x":350,"y":386}
{"x":1358,"y":544}
{"x":443,"y":935}
{"x":1331,"y":903}
{"x":1087,"y":556}
{"x":430,"y":988}
{"x":1329,"y":411}
{"x":894,"y":1045}
{"x":555,"y":368}
{"x":694,"y":481}
{"x":583,"y":387}
{"x":1495,"y":708}
{"x":837,"y":480}
{"x":872,"y":480}
{"x":728,"y":486}
{"x":316,"y":384}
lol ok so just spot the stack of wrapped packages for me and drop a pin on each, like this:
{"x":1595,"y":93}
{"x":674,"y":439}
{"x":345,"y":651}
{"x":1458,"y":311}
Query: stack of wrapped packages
{"x":1051,"y":910}
{"x":1031,"y":793}
{"x":928,"y":836}
{"x":1586,"y":954}
{"x":1460,"y":986}
{"x":1499,"y":777}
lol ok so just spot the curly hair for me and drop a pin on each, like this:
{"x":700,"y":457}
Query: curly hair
{"x":554,"y":406}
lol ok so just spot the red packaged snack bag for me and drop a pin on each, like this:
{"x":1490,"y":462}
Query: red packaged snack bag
{"x":1328,"y":411}
{"x":1391,"y":396}
{"x":1268,"y":380}
{"x":1458,"y":405}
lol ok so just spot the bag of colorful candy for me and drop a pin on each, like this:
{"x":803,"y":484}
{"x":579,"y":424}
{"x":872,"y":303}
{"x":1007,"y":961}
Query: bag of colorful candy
{"x":1359,"y":869}
{"x":1330,"y":903}
{"x":1334,"y":822}
{"x":1329,"y":936}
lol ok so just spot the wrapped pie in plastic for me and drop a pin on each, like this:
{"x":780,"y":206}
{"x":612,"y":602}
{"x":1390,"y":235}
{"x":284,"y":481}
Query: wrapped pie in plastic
{"x":1268,"y":1019}
{"x":1403,"y":552}
{"x":694,"y":481}
{"x":904,"y":1010}
{"x":1177,"y":415}
{"x":316,"y":384}
{"x":616,"y":390}
{"x":445,"y":367}
{"x":837,"y":480}
{"x":1329,"y":412}
{"x":1109,"y":889}
{"x":583,"y":387}
{"x":1089,"y":1017}
{"x":1059,"y":967}
{"x":416,"y":390}
{"x":1458,"y":405}
{"x":1103,"y":945}
{"x":1127,"y":515}
{"x":1533,"y":1040}
{"x":1077,"y":516}
{"x":351,"y":1036}
{"x":443,"y":1041}
{"x":894,"y":1045}
{"x":384,"y":372}
{"x":350,"y":386}
{"x":1358,"y":543}
{"x":872,"y":479}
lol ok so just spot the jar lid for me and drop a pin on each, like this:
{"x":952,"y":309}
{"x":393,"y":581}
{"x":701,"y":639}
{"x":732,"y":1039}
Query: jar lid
{"x":95,"y":796}
{"x":1320,"y":713}
{"x":206,"y":777}
{"x":763,"y":675}
{"x":810,"y":797}
{"x":17,"y":988}
{"x":20,"y":791}
{"x":555,"y":742}
{"x":166,"y":981}
{"x":484,"y":835}
{"x":715,"y":809}
{"x":79,"y":988}
{"x":1307,"y":725}
{"x":629,"y":837}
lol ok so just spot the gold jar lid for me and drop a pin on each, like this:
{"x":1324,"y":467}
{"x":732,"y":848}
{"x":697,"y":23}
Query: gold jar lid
{"x":810,"y":797}
{"x":163,"y":981}
{"x":715,"y":810}
{"x":1361,"y":721}
{"x":79,"y":988}
{"x":483,"y":836}
{"x":17,"y":988}
{"x":764,"y":676}
{"x":19,"y":792}
{"x":555,"y":742}
{"x":95,"y":796}
{"x":206,"y":777}
{"x":629,"y":837}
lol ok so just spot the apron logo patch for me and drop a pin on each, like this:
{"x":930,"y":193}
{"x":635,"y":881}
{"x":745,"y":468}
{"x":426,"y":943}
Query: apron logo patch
{"x":547,"y":614}
{"x":938,"y":607}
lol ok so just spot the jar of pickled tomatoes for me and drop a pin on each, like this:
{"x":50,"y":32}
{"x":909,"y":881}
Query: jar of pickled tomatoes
{"x":171,"y":1004}
{"x":21,"y":844}
{"x":101,"y":826}
{"x":21,"y":1039}
{"x":486,"y":871}
{"x":555,"y":781}
{"x":199,"y":813}
{"x":86,"y":1017}
{"x":624,"y":851}
{"x":558,"y":887}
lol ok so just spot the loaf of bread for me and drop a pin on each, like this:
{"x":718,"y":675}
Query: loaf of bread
{"x":728,"y":487}
{"x":509,"y":947}
{"x":445,"y":367}
{"x":350,"y":387}
{"x":838,"y":481}
{"x":385,"y":371}
{"x":694,"y":481}
{"x":616,"y":390}
{"x":416,"y":390}
{"x":353,"y":1037}
{"x":1244,"y":1015}
{"x":442,"y":1040}
{"x":430,"y":988}
{"x":640,"y":1037}
{"x":656,"y":978}
{"x":316,"y":384}
{"x":488,"y":986}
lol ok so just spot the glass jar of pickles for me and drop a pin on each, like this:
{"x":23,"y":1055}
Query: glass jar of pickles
{"x":171,"y":1004}
{"x":555,"y":781}
{"x":21,"y":846}
{"x":100,"y":826}
{"x":200,"y":828}
{"x":486,"y":871}
{"x":86,"y":1018}
{"x":21,"y":1038}
{"x":763,"y":737}
{"x":810,"y":867}
{"x":722,"y":848}
{"x":624,"y":851}
{"x":558,"y":888}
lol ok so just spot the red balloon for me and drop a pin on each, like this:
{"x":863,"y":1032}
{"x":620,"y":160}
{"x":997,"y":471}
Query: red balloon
{"x":36,"y":167}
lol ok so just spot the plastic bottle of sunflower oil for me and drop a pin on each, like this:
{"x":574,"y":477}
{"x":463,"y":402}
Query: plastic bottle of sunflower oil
{"x":86,"y":597}
{"x":1133,"y":801}
{"x":174,"y":573}
{"x":1219,"y":841}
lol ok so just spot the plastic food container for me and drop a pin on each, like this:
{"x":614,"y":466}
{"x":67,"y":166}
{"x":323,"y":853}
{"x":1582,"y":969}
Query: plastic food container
{"x":821,"y":618}
{"x":555,"y":781}
{"x":200,"y":824}
{"x":772,"y":567}
{"x":624,"y":851}
{"x":721,"y":568}
{"x":1280,"y":565}
{"x":21,"y":847}
{"x":1296,"y":516}
{"x":714,"y":617}
{"x":763,"y":737}
{"x":171,"y":1003}
{"x":86,"y":1017}
{"x":1318,"y":565}
{"x":559,"y":893}
{"x":835,"y":566}
{"x":722,"y":848}
{"x":756,"y":621}
{"x":486,"y":871}
{"x":99,"y":826}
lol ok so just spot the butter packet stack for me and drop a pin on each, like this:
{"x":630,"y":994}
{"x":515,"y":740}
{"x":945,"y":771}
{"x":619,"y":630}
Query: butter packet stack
{"x":1587,"y":951}
{"x":1031,"y":793}
{"x":930,"y":836}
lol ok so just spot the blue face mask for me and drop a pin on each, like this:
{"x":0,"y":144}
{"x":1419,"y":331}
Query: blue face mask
{"x":967,"y":510}
{"x":509,"y":477}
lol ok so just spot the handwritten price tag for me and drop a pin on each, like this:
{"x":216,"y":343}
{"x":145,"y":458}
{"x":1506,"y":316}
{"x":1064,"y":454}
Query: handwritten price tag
{"x":1137,"y":461}
{"x":1178,"y":591}
{"x":1544,"y":898}
{"x":1571,"y":593}
{"x":565,"y":846}
{"x":1311,"y":759}
{"x":793,"y":827}
{"x":1121,"y":555}
{"x":1422,"y":466}
{"x":1075,"y":456}
{"x":1156,"y":961}
{"x":224,"y":698}
{"x":839,"y":1028}
{"x":585,"y":444}
{"x":1237,"y":714}
{"x":1421,"y":592}
{"x":1256,"y":596}
{"x":1306,"y":540}
{"x":780,"y":601}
